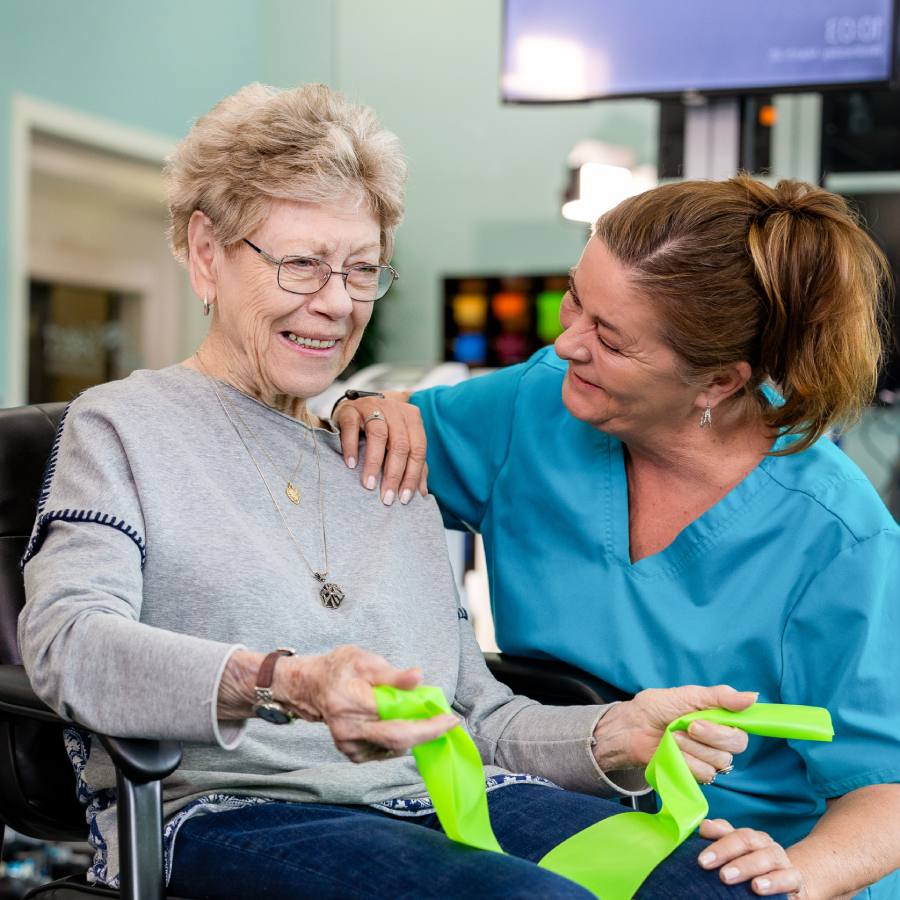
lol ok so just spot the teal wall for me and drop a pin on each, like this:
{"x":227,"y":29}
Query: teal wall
{"x":297,"y":39}
{"x":151,"y":64}
{"x":485,"y":180}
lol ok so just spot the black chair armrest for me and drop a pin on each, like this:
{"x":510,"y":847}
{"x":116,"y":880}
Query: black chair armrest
{"x":551,"y":681}
{"x":140,"y":760}
{"x":140,"y":767}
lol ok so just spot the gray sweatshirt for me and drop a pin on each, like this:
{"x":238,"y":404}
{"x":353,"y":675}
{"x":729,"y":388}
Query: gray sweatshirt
{"x":157,"y":551}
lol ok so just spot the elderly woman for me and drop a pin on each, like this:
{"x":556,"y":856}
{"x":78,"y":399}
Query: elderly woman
{"x":196,"y":517}
{"x":658,"y":508}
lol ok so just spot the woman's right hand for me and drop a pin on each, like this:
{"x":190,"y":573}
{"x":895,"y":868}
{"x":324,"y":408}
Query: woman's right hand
{"x":336,"y":688}
{"x":395,"y":440}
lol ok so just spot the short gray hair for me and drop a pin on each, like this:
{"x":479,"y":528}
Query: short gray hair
{"x":262,"y":144}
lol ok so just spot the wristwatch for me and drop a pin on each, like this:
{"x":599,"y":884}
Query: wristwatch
{"x":266,"y":707}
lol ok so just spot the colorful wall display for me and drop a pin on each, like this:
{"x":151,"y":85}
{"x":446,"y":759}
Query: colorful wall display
{"x":500,"y":320}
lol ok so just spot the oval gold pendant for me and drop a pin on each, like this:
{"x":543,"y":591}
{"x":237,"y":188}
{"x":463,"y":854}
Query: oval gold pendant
{"x":292,"y":493}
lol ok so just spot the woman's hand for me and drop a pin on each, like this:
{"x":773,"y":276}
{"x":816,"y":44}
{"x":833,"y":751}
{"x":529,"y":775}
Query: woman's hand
{"x":743,"y":854}
{"x":628,"y":733}
{"x":396,"y":440}
{"x":336,"y":689}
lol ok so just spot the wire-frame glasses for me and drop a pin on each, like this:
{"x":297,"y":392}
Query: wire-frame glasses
{"x":364,"y":282}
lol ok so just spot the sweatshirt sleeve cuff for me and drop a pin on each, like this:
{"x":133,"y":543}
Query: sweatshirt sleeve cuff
{"x":228,"y":733}
{"x":620,"y":782}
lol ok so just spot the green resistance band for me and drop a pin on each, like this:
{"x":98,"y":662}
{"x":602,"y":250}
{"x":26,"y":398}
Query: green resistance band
{"x":450,"y":766}
{"x":613,"y":857}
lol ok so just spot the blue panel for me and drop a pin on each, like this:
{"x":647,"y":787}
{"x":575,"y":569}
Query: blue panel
{"x":632,"y":47}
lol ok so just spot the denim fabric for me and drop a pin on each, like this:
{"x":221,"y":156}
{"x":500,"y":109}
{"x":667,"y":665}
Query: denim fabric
{"x":291,"y":850}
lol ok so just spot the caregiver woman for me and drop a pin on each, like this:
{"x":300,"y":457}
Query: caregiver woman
{"x":672,"y":521}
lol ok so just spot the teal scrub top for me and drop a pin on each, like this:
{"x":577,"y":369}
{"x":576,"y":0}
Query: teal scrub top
{"x":789,"y":585}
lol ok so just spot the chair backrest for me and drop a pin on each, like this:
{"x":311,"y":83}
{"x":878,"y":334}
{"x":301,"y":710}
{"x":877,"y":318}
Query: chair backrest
{"x":26,"y":438}
{"x":37,"y":791}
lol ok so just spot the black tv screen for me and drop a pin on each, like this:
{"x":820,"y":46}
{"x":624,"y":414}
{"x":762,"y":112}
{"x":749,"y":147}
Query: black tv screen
{"x":565,"y":50}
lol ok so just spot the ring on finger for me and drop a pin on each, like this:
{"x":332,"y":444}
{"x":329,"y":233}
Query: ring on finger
{"x":711,"y":780}
{"x":375,"y":414}
{"x":726,"y":770}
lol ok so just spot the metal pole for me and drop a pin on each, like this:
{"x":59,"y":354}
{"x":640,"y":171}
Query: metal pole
{"x":141,"y":874}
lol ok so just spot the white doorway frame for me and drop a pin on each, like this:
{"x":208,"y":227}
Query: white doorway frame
{"x":30,"y":115}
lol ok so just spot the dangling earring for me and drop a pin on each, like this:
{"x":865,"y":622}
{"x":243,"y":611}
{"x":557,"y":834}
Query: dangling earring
{"x":706,"y":418}
{"x":206,"y":305}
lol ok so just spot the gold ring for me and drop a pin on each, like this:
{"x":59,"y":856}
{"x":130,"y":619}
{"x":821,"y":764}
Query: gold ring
{"x":726,"y":770}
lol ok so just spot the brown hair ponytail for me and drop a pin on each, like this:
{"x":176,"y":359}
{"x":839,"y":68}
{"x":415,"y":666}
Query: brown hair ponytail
{"x":784,"y":278}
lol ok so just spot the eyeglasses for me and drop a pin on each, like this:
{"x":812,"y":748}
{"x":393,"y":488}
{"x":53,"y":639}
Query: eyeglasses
{"x":364,"y":282}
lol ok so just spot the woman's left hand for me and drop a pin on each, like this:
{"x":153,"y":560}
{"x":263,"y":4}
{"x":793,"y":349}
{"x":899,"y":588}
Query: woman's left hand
{"x":744,"y":854}
{"x":628,"y":733}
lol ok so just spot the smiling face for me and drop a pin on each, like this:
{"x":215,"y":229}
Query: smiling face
{"x":622,"y":378}
{"x":272,"y":343}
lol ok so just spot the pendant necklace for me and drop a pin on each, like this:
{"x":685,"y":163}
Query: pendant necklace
{"x":331,"y":594}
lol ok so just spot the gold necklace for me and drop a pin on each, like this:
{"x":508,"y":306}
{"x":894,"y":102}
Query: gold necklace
{"x":291,"y":491}
{"x":330,"y":593}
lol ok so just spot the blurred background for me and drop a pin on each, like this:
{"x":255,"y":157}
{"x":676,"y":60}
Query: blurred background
{"x":523,"y":121}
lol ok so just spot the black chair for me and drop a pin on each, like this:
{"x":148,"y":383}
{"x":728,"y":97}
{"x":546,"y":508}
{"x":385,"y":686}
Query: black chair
{"x":37,"y":785}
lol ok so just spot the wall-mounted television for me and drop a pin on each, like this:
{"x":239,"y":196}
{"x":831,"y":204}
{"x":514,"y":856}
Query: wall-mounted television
{"x":570,"y":50}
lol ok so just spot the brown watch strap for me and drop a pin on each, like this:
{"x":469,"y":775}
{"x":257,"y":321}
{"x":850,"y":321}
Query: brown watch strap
{"x":267,"y":668}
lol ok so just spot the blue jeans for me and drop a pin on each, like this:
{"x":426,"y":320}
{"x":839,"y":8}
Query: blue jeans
{"x":291,"y":850}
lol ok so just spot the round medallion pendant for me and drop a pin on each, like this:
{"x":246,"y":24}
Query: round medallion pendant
{"x":332,"y":596}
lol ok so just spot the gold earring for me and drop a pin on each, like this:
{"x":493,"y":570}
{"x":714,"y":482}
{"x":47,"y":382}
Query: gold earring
{"x":706,"y":418}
